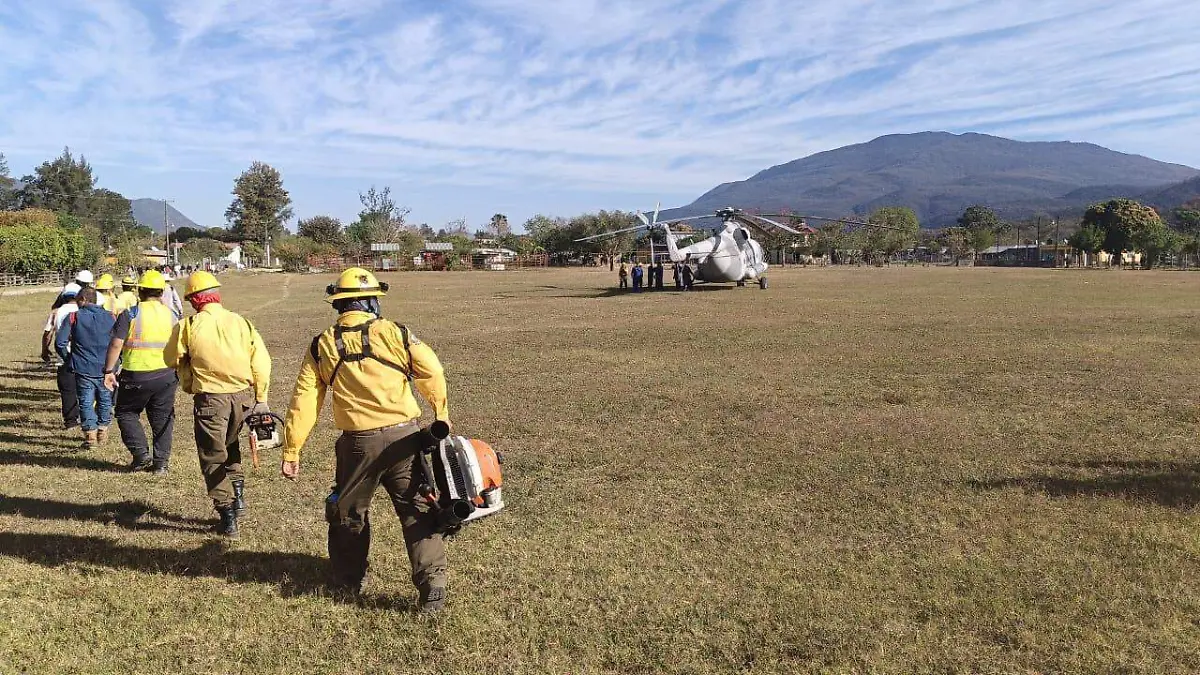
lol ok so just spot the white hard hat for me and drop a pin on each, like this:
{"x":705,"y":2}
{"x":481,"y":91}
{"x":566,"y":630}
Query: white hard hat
{"x":72,"y":289}
{"x":85,"y":277}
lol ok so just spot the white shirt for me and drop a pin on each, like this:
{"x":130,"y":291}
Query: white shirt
{"x":57,"y":318}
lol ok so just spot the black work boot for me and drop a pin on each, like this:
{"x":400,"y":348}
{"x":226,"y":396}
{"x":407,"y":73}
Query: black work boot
{"x":239,"y":501}
{"x":433,"y":599}
{"x":228,"y":527}
{"x":140,"y":464}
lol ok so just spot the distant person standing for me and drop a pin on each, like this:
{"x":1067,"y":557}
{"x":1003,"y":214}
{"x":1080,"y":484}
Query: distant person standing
{"x":676,"y":276}
{"x":638,"y":273}
{"x":689,"y":277}
{"x":170,"y":298}
{"x":658,"y":275}
{"x":82,"y":343}
{"x":623,"y":276}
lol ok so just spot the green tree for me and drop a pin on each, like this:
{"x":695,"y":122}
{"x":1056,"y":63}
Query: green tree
{"x":32,"y":242}
{"x":111,"y":214}
{"x":1186,"y":218}
{"x":957,"y":241}
{"x":1154,"y":239}
{"x":8,"y":196}
{"x":253,"y":252}
{"x":260,"y":205}
{"x":186,"y":234}
{"x":982,"y":227}
{"x":200,"y":250}
{"x":61,"y":184}
{"x":899,"y":232}
{"x":1121,"y":220}
{"x":1089,"y":239}
{"x":498,"y":226}
{"x":980,"y":239}
{"x":380,"y":221}
{"x":322,"y":229}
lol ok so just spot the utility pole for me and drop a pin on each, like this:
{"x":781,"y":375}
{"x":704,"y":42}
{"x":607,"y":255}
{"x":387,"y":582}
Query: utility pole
{"x":167,"y":229}
{"x":1038,"y":250}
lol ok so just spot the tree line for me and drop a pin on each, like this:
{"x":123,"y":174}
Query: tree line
{"x":77,"y":222}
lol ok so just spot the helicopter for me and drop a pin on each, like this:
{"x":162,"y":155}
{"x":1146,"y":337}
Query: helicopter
{"x":731,"y":255}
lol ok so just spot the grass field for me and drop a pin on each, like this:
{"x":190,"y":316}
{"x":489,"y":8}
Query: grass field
{"x":858,"y":470}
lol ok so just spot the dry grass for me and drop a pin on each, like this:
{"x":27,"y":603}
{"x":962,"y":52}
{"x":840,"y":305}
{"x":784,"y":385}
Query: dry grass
{"x":860,"y":470}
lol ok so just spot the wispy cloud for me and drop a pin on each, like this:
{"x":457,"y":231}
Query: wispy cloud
{"x":614,"y":97}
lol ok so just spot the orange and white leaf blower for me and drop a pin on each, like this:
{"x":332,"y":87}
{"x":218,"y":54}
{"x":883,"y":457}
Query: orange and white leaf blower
{"x":462,"y":477}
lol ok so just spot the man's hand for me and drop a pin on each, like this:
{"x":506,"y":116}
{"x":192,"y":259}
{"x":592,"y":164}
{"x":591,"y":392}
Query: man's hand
{"x":289,"y":470}
{"x":260,"y":408}
{"x":110,"y":381}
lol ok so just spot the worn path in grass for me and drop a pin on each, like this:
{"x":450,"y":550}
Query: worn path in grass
{"x":884,"y":470}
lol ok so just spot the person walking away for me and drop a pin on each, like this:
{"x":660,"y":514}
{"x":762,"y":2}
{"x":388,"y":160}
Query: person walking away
{"x":637,"y":277}
{"x":369,"y":365}
{"x":658,"y":275}
{"x":170,"y":297}
{"x":222,"y":360}
{"x":675,"y":276}
{"x":128,"y":298}
{"x":82,"y":280}
{"x":66,"y":378}
{"x":689,"y":277}
{"x":104,"y":294}
{"x":145,"y":383}
{"x":623,"y":276}
{"x":82,"y":343}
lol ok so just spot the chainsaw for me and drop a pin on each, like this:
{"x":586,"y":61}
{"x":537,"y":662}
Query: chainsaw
{"x":264,"y":433}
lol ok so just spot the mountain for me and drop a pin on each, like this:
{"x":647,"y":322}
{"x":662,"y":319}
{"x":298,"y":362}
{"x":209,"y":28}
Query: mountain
{"x":149,"y":212}
{"x":1167,"y":198}
{"x":940,"y":174}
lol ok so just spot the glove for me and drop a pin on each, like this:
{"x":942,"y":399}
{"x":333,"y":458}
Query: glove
{"x":260,"y":408}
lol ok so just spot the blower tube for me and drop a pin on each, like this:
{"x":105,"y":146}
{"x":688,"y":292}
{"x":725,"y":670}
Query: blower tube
{"x":438,"y":431}
{"x":453,"y":514}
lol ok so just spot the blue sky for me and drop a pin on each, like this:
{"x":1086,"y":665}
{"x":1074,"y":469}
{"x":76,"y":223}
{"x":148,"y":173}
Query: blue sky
{"x":473,"y":107}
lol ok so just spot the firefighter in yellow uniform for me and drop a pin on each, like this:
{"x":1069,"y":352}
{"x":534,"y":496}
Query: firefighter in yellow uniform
{"x":105,"y":296}
{"x":367,"y":364}
{"x":145,"y":383}
{"x":222,"y":360}
{"x":128,"y":298}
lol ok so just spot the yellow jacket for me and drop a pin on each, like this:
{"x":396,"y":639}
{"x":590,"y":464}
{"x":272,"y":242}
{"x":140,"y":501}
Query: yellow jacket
{"x":126,"y":300}
{"x":219,"y":352}
{"x":368,"y":393}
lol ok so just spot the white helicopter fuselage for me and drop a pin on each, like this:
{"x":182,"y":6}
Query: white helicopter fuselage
{"x":729,"y":255}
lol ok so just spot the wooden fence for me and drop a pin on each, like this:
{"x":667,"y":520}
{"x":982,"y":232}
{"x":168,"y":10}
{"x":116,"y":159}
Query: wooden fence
{"x":433,"y":262}
{"x":8,"y":280}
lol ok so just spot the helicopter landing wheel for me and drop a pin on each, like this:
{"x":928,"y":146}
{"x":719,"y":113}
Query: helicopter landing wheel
{"x":762,"y":283}
{"x":741,"y":283}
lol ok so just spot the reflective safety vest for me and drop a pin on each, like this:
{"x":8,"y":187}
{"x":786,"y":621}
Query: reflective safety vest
{"x":150,"y":326}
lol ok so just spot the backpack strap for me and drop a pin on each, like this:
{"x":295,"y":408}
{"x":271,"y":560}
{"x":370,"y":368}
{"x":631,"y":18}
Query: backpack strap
{"x":363,"y":329}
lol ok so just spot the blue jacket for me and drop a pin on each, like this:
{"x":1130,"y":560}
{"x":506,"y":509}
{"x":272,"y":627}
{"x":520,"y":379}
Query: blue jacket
{"x":83,"y":340}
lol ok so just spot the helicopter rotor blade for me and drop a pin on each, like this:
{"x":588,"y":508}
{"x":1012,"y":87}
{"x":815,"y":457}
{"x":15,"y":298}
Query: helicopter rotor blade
{"x":611,"y":233}
{"x":785,"y":228}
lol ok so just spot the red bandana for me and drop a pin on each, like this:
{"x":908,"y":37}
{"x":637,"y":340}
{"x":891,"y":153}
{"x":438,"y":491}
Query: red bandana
{"x":199,"y":300}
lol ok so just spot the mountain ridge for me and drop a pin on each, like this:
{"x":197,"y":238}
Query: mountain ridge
{"x":939,"y":174}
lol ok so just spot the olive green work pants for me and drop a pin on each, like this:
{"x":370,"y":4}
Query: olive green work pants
{"x":366,"y":459}
{"x":218,"y":421}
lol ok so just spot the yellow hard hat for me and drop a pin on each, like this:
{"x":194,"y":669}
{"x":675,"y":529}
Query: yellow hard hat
{"x":152,"y":280}
{"x":105,"y":282}
{"x":355,"y":283}
{"x":129,"y":281}
{"x":201,"y":281}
